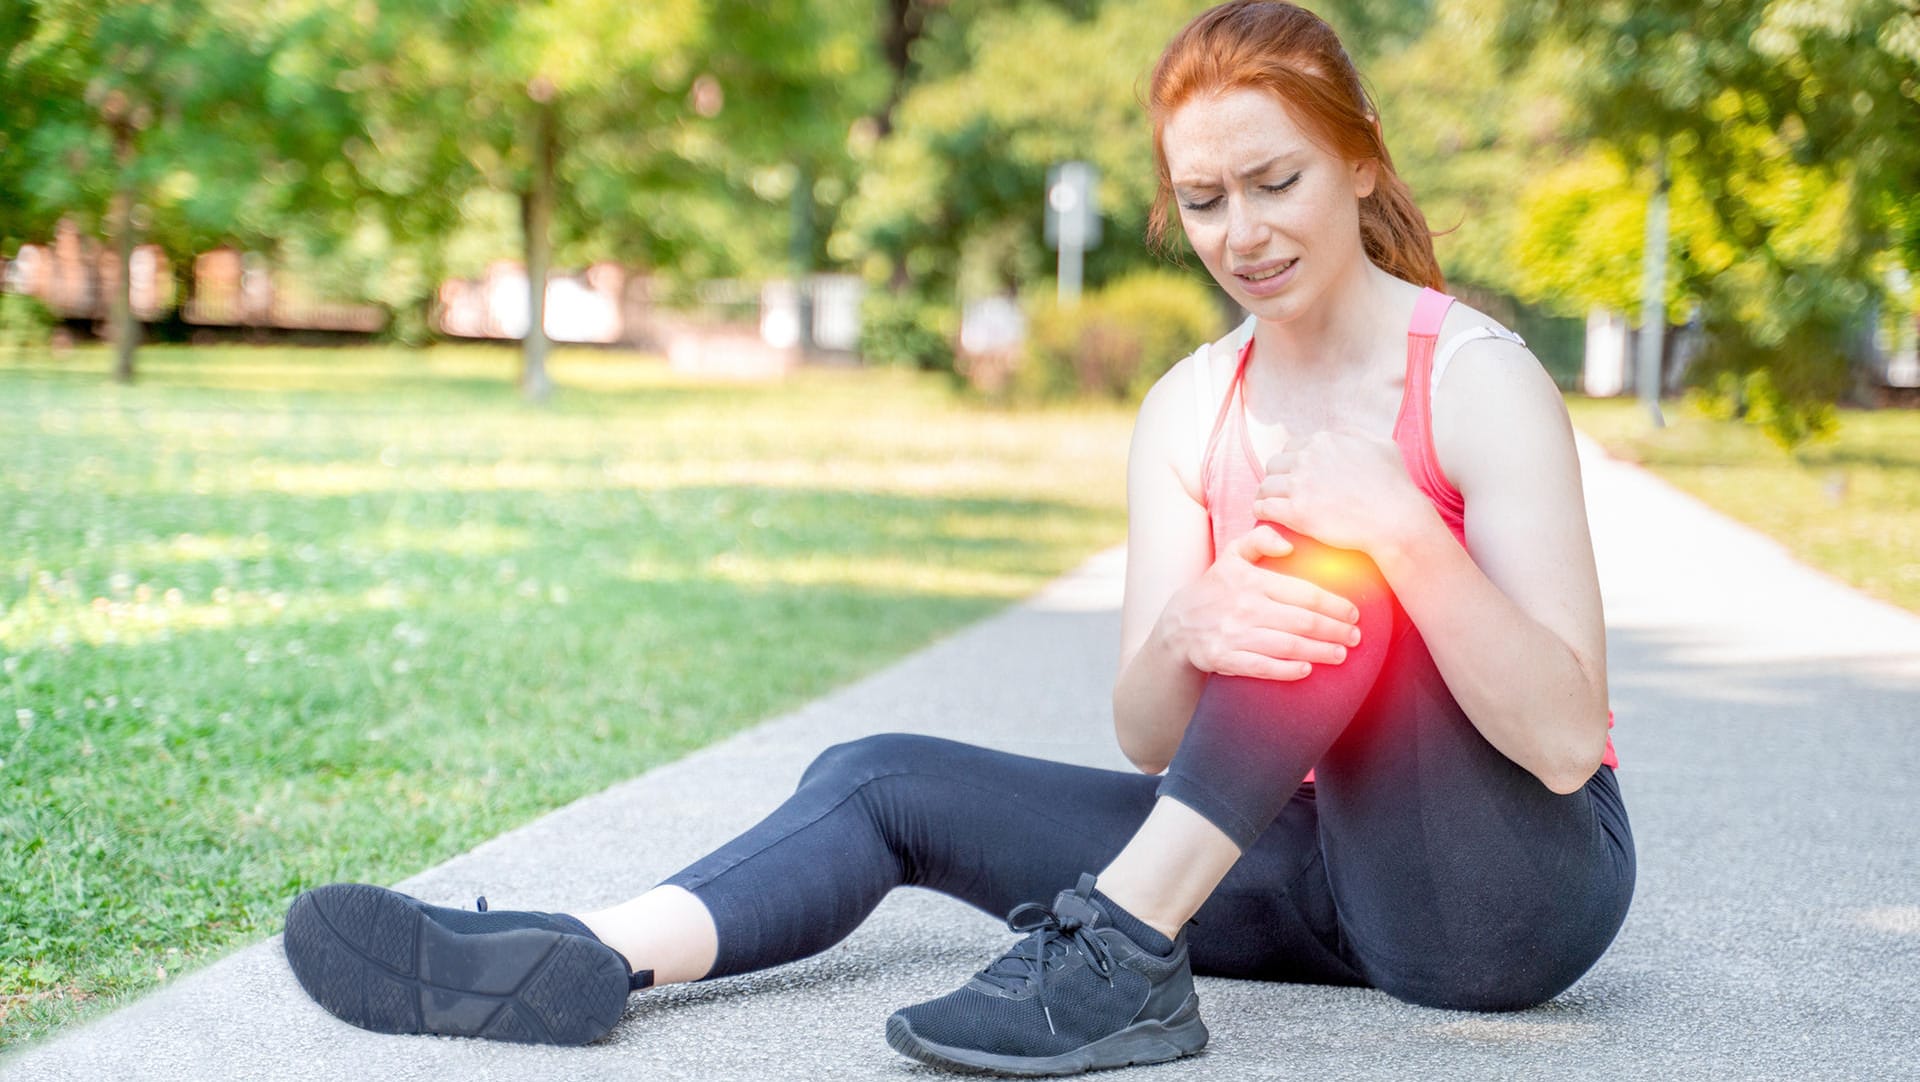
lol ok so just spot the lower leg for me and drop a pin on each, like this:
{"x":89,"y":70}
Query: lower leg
{"x":1171,"y":866}
{"x":1244,"y":753}
{"x":666,"y":930}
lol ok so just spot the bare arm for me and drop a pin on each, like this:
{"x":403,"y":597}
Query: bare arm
{"x":1515,"y":628}
{"x":1528,"y":599}
{"x":1186,"y":613}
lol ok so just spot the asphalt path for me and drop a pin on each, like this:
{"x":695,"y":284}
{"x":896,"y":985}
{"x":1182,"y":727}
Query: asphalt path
{"x":1767,"y":729}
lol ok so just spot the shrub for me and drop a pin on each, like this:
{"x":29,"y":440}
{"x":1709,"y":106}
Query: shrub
{"x":25,"y":324}
{"x":1786,"y":390}
{"x":1117,"y":340}
{"x":902,"y":329}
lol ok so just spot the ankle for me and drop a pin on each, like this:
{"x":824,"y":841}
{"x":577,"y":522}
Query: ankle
{"x":1151,"y":934}
{"x":667,"y":930}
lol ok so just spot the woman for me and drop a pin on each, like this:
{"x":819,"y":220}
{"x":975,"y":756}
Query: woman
{"x":1361,"y":635}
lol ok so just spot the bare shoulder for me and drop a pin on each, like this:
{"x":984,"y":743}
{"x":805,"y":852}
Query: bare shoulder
{"x":1177,"y":415}
{"x":1164,"y":433}
{"x":1495,"y":398}
{"x":1488,"y":367}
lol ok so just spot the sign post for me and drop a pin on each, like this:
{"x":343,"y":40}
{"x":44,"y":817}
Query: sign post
{"x":1073,"y":221}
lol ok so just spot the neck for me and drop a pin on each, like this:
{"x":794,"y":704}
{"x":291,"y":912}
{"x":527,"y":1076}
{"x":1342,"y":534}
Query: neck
{"x":1341,"y":329}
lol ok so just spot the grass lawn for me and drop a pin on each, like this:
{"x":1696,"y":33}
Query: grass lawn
{"x":1850,"y":506}
{"x":272,"y":618}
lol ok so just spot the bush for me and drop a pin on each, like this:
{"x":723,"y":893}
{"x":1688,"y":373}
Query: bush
{"x":1118,"y":340}
{"x":902,"y":329}
{"x":1786,"y":390}
{"x":25,"y":324}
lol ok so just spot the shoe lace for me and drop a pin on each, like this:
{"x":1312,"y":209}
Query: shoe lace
{"x":1051,"y":936}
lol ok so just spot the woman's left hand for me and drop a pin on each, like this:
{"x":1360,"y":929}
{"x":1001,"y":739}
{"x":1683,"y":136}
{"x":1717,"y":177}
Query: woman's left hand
{"x":1343,"y":488}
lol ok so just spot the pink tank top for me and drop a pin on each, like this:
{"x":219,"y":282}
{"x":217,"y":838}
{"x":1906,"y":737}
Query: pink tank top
{"x":1230,"y":480}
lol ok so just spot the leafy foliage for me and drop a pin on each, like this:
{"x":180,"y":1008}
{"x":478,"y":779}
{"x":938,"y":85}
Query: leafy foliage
{"x":1790,"y":132}
{"x":1117,"y":340}
{"x":900,"y":329}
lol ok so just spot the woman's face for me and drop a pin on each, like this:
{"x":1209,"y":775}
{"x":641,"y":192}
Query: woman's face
{"x":1275,"y":217}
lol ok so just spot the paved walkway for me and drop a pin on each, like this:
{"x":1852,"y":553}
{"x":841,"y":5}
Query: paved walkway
{"x":1769,"y":723}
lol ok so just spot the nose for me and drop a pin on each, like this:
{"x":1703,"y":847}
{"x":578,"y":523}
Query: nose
{"x":1246,"y":233}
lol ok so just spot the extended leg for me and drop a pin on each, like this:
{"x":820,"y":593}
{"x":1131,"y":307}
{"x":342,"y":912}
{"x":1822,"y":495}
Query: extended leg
{"x":988,"y":827}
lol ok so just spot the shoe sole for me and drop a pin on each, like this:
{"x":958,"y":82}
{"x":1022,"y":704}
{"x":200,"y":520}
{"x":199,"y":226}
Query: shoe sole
{"x":1181,"y":1034}
{"x":372,"y":959}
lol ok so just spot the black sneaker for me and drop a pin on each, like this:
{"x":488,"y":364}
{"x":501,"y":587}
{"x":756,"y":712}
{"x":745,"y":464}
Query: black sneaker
{"x":393,"y":964}
{"x":1076,"y":995}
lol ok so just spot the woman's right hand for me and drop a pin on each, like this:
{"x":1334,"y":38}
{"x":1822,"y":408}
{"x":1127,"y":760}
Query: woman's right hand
{"x":1241,"y":618}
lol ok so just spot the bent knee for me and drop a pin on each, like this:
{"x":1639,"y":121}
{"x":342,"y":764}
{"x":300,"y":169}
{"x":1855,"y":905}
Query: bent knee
{"x":1348,"y":573}
{"x":870,"y":757}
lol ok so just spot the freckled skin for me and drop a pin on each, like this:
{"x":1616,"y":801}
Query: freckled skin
{"x":1303,"y":204}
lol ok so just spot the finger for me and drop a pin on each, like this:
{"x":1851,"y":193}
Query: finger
{"x":1247,"y":663}
{"x":1288,"y":590}
{"x":1284,"y":462}
{"x":1280,"y":644}
{"x":1275,"y":484}
{"x":1264,"y":541}
{"x":1312,"y":625}
{"x":1277,"y":509}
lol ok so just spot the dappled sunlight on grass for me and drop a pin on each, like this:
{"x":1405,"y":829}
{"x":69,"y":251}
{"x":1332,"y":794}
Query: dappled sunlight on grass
{"x":886,"y":573}
{"x":271,"y":618}
{"x":1850,"y":506}
{"x":51,"y":616}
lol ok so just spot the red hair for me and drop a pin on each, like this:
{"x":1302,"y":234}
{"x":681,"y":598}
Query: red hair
{"x":1292,"y":54}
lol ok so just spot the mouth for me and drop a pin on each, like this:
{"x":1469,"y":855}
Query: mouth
{"x":1271,"y":270}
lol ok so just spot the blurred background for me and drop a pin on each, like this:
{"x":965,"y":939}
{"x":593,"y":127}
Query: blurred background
{"x":805,"y":176}
{"x":420,"y":413}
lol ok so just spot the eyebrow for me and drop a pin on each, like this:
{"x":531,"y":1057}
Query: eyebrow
{"x":1250,"y":171}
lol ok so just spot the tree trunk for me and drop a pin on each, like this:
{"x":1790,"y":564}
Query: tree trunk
{"x":800,"y":254}
{"x":121,"y":329}
{"x":536,"y":219}
{"x":1653,"y":298}
{"x":905,"y":22}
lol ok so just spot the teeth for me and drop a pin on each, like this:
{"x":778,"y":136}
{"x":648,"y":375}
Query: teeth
{"x":1281,"y":269}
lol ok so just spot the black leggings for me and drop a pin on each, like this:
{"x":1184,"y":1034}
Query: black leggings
{"x":1421,"y":861}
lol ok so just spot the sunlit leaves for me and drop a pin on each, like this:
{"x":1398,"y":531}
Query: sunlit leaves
{"x":1791,"y":126}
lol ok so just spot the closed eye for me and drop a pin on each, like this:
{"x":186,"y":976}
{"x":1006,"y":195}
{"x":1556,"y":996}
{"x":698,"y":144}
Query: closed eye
{"x":1215,"y":201}
{"x":1283,"y":185}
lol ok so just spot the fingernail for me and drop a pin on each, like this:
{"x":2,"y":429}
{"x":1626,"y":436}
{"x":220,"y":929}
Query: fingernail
{"x":1339,"y":654}
{"x":1353,"y":637}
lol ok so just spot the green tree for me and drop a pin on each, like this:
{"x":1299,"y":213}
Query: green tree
{"x":1464,"y":134}
{"x":145,"y":118}
{"x":1791,"y":126}
{"x":699,"y":137}
{"x":1006,"y":90}
{"x":474,"y":96}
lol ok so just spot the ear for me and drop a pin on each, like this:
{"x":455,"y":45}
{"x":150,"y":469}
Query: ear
{"x":1366,"y":174}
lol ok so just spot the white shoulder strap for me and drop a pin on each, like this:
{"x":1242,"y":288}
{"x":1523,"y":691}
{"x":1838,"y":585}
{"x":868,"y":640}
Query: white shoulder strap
{"x":1241,"y":333}
{"x":1452,"y":346}
{"x":1206,"y":397}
